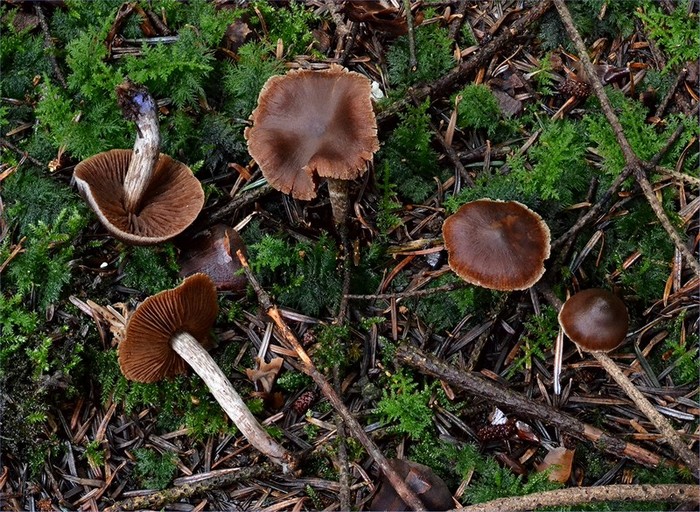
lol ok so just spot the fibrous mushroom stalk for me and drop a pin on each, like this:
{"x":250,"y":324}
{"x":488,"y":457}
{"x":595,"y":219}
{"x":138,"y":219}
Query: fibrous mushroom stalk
{"x":340,"y":203}
{"x":138,"y":105}
{"x":189,"y":349}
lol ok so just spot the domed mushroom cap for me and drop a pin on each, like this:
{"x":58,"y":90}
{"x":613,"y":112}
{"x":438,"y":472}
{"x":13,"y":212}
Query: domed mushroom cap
{"x":311,"y":124}
{"x":499,"y":245}
{"x":430,"y":488}
{"x":595,"y":319}
{"x":145,"y":355}
{"x":171,"y":202}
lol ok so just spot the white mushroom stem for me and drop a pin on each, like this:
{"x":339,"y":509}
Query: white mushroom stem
{"x":146,"y":148}
{"x":662,"y":424}
{"x":202,"y":363}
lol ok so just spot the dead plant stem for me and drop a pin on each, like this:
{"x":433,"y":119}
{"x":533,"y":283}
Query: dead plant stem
{"x":661,"y":423}
{"x":632,"y":161}
{"x":675,"y":493}
{"x":308,"y":367}
{"x":506,"y":398}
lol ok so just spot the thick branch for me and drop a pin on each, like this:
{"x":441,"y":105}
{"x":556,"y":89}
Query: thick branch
{"x":672,"y":493}
{"x":503,"y":397}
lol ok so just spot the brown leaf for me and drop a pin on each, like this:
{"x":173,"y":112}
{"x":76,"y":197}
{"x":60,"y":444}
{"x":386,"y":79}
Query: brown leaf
{"x":560,"y":460}
{"x":264,"y":376}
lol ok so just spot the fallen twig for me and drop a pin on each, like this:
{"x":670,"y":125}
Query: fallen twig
{"x":444,"y":85}
{"x":503,"y":397}
{"x":672,"y":493}
{"x":632,"y":161}
{"x":308,"y":367}
{"x":215,"y":480}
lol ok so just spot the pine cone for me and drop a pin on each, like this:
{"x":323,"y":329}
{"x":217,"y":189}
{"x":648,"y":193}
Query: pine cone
{"x":305,"y":400}
{"x":497,"y":432}
{"x":575,"y":88}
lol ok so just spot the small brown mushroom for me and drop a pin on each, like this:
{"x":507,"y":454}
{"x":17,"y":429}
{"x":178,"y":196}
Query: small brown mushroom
{"x":430,"y":488}
{"x":310,"y":125}
{"x":597,"y":321}
{"x":141,"y":196}
{"x":214,"y":253}
{"x":166,"y":334}
{"x":499,"y":245}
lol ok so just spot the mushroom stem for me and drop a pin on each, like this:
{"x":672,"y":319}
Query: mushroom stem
{"x":202,"y":363}
{"x":138,"y":105}
{"x":659,"y":421}
{"x":340,"y":204}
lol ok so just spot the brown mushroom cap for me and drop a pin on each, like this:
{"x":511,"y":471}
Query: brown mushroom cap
{"x":430,"y":488}
{"x":500,"y":245}
{"x":172,"y":201}
{"x":145,"y":354}
{"x":595,"y":319}
{"x":214,"y":254}
{"x":311,"y":124}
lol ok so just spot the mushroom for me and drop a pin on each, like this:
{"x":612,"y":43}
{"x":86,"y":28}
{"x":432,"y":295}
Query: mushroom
{"x":597,"y":320}
{"x":168,"y":332}
{"x":499,"y":245}
{"x":213,"y":253}
{"x":310,"y":125}
{"x":141,"y":196}
{"x":430,"y":488}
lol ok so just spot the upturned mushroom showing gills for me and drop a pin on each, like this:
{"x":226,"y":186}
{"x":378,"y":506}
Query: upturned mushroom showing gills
{"x":501,"y":245}
{"x":168,"y":332}
{"x":597,"y":321}
{"x":310,"y":125}
{"x":141,"y":196}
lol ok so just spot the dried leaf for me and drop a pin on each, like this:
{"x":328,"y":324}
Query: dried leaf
{"x":264,"y":376}
{"x":560,"y":460}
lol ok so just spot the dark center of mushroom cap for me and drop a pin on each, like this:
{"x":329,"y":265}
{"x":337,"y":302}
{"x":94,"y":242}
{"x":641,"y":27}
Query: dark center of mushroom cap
{"x":500,"y":245}
{"x":311,"y":124}
{"x":595,"y":319}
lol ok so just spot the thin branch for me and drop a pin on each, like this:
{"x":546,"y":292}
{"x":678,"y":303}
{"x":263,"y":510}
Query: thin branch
{"x":671,"y":493}
{"x":215,"y":480}
{"x":506,"y":398}
{"x":412,"y":293}
{"x":48,"y":44}
{"x":632,"y":161}
{"x":412,"y":62}
{"x":446,"y":84}
{"x":308,"y":367}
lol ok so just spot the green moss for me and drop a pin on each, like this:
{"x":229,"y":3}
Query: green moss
{"x":409,"y":156}
{"x":151,"y":269}
{"x":244,"y":79}
{"x":293,"y":25}
{"x":44,"y":267}
{"x":302,"y":275}
{"x":405,"y":406}
{"x":433,"y":55}
{"x":676,"y":33}
{"x":154,"y":470}
{"x":442,"y":311}
{"x":478,"y":109}
{"x":537,"y":339}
